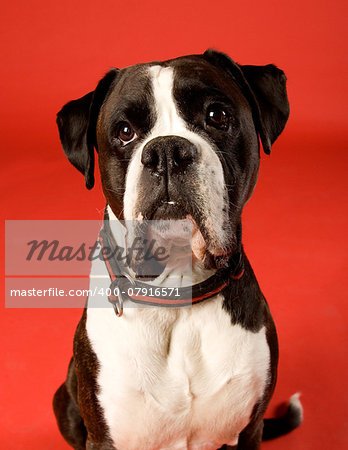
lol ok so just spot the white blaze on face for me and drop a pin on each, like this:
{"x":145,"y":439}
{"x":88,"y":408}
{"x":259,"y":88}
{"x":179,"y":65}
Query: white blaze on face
{"x":211,"y":190}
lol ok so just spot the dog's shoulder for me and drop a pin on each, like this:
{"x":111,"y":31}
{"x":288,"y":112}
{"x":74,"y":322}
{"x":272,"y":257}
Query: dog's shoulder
{"x":245,"y":303}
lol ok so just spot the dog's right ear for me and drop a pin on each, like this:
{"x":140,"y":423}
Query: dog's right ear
{"x":77,"y":122}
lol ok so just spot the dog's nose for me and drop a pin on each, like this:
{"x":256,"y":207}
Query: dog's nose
{"x":169,"y":155}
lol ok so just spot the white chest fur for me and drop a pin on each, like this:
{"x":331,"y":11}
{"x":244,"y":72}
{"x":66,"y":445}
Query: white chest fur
{"x":177,"y":378}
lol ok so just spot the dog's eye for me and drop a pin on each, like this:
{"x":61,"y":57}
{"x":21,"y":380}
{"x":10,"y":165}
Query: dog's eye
{"x":217,"y":117}
{"x":125,"y":133}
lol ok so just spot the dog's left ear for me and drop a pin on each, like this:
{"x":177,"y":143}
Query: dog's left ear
{"x":265,"y":89}
{"x":77,"y":122}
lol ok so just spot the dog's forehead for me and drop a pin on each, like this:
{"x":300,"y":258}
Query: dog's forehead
{"x":135,"y":83}
{"x":192,"y":68}
{"x":196,"y":71}
{"x":132,"y":86}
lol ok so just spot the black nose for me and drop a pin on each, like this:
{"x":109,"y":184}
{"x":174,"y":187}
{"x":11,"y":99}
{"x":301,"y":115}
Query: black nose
{"x":169,"y":155}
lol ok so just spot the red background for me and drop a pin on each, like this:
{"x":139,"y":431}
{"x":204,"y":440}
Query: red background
{"x":294,"y":227}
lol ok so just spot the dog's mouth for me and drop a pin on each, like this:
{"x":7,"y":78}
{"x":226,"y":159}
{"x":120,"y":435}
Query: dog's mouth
{"x":182,"y":232}
{"x":178,"y":225}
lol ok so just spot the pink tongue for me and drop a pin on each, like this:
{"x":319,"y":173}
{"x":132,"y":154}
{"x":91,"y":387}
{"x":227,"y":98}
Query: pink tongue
{"x":198,"y":242}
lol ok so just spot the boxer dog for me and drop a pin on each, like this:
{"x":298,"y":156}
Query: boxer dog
{"x":178,"y":139}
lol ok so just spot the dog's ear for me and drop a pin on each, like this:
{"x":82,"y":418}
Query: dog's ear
{"x":265,"y":89}
{"x":77,"y":122}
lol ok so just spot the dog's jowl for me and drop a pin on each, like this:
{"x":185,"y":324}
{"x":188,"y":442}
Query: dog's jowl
{"x":177,"y":140}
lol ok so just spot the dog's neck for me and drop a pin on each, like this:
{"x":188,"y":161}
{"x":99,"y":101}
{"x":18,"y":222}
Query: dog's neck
{"x":172,"y":277}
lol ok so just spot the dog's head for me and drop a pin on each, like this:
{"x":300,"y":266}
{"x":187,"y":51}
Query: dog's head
{"x":179,"y":139}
